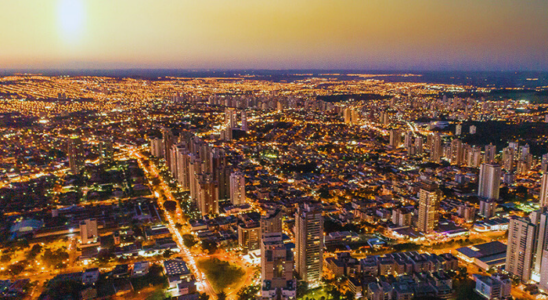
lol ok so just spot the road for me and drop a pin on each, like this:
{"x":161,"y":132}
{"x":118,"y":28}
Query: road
{"x":203,"y":284}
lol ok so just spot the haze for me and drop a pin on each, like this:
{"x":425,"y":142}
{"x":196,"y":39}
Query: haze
{"x":279,"y":34}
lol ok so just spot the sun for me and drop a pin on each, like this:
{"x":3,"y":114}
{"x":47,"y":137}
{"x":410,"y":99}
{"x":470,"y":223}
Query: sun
{"x":70,"y":19}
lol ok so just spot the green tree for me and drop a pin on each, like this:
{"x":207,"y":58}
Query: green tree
{"x":334,"y":293}
{"x":349,"y":295}
{"x":248,"y":293}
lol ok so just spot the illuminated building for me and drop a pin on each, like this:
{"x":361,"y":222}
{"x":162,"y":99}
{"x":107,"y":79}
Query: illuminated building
{"x":429,"y":206}
{"x":309,"y":242}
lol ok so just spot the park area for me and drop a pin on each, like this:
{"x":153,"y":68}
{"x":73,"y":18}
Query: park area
{"x":221,"y":274}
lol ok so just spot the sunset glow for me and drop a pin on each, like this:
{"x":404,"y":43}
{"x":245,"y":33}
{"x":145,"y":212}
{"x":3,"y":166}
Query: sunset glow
{"x":398,"y":34}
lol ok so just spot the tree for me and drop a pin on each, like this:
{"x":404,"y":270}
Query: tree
{"x":54,"y":258}
{"x":203,"y":296}
{"x":302,"y":287}
{"x":62,"y":289}
{"x":170,"y":206}
{"x":334,"y":293}
{"x":167,"y":253}
{"x":349,"y":295}
{"x":248,"y":293}
{"x":221,"y":296}
{"x":6,"y":257}
{"x":189,"y":240}
{"x":17,"y":268}
{"x":34,"y":251}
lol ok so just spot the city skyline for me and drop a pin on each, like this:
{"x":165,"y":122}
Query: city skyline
{"x":395,"y":35}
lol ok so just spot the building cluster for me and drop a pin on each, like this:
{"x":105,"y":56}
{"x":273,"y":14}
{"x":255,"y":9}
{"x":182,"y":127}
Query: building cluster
{"x":401,"y":275}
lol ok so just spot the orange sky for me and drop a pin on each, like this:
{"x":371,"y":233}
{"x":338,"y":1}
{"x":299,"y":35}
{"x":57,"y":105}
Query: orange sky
{"x":275,"y":34}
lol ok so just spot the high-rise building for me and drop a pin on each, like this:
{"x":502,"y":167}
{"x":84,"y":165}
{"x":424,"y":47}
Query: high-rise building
{"x":208,"y":194}
{"x":493,"y":287}
{"x":458,"y":129}
{"x":429,"y":207}
{"x":194,"y":173}
{"x":88,"y":231}
{"x":544,"y":190}
{"x":385,"y":118}
{"x":395,"y":137}
{"x":467,"y":212}
{"x":230,"y":118}
{"x":474,"y":158}
{"x":543,"y":282}
{"x":508,"y":159}
{"x":401,"y":217}
{"x":309,"y":241}
{"x":490,"y":152}
{"x":540,"y":219}
{"x":271,"y":222}
{"x":487,"y":208}
{"x":544,"y":163}
{"x":277,"y":264}
{"x":472,"y":129}
{"x":249,"y":233}
{"x":436,"y":149}
{"x":347,"y":114}
{"x":524,"y":152}
{"x":173,"y":161}
{"x":520,"y":251}
{"x":237,"y":188}
{"x":489,"y":181}
{"x":167,"y":140}
{"x":156,"y":147}
{"x":244,"y":121}
{"x":408,"y":140}
{"x":418,"y":145}
{"x":183,"y":167}
{"x":106,"y":151}
{"x":355,"y":115}
{"x":456,"y":152}
{"x":75,"y":154}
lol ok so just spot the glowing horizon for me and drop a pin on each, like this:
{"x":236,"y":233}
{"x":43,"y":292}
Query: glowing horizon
{"x":281,"y":34}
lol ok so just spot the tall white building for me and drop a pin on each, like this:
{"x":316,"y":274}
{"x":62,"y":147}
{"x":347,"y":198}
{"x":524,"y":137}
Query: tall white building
{"x":277,"y":263}
{"x":309,"y":241}
{"x":237,"y":188}
{"x":489,"y":181}
{"x":521,"y":248}
{"x":540,"y":219}
{"x":244,"y":121}
{"x":458,"y":129}
{"x":472,"y":129}
{"x":88,"y":231}
{"x":473,"y":158}
{"x":544,"y":190}
{"x":493,"y":287}
{"x":429,"y":208}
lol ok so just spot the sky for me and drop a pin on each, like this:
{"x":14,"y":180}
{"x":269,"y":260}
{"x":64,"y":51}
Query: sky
{"x":275,"y":34}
